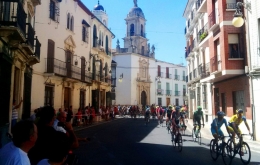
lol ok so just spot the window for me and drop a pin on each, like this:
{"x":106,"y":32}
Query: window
{"x":167,"y":72}
{"x":204,"y":93}
{"x":142,"y":50}
{"x":176,"y":76}
{"x":198,"y":96}
{"x":85,"y":27}
{"x":82,"y":99}
{"x":168,"y":91}
{"x":159,"y":71}
{"x":132,"y":30}
{"x":183,"y":76}
{"x":184,"y":90}
{"x":177,"y":92}
{"x":142,"y":30}
{"x":107,"y":49}
{"x":72,"y":23}
{"x":54,"y":11}
{"x":49,"y":95}
{"x":159,"y":101}
{"x":68,"y":21}
{"x":177,"y":102}
{"x":95,"y":38}
{"x":159,"y":85}
{"x":233,"y":46}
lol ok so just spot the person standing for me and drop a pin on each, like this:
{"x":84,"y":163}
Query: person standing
{"x":15,"y":112}
{"x":25,"y":135}
{"x":69,"y":114}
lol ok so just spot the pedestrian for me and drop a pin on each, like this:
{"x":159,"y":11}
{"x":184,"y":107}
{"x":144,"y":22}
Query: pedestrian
{"x":24,"y":138}
{"x":15,"y":112}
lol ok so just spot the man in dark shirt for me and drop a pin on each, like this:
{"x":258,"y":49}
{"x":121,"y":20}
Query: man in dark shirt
{"x":47,"y":137}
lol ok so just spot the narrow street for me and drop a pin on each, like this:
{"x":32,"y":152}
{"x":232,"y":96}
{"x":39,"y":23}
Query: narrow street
{"x":129,"y":141}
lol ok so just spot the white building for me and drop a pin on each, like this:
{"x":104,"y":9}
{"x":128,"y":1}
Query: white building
{"x":253,"y":44}
{"x":76,"y":56}
{"x":145,"y":80}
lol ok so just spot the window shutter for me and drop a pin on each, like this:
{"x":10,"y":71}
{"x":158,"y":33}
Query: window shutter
{"x":50,"y":56}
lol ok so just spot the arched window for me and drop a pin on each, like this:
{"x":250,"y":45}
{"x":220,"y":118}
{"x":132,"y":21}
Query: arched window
{"x":142,"y":30}
{"x":132,"y":30}
{"x":95,"y":36}
{"x":107,"y":45}
{"x":68,"y":21}
{"x":99,"y":41}
{"x":72,"y":23}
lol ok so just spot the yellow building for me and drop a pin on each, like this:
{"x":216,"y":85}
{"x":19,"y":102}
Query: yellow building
{"x":19,"y":51}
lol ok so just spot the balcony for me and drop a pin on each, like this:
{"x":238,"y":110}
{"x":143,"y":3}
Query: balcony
{"x":160,"y":74}
{"x":213,"y":20}
{"x":13,"y":20}
{"x":168,"y":92}
{"x":88,"y":77}
{"x":176,"y":93}
{"x":203,"y":70}
{"x":137,"y":34}
{"x":75,"y":72}
{"x":168,"y":75}
{"x":176,"y":77}
{"x":35,"y":58}
{"x":201,"y":6}
{"x":203,"y":36}
{"x":160,"y":91}
{"x":184,"y":92}
{"x":183,"y":78}
{"x":97,"y":76}
{"x":231,"y":6}
{"x":56,"y":66}
{"x":29,"y":44}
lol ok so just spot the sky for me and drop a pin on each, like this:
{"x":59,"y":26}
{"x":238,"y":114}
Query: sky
{"x":164,"y":26}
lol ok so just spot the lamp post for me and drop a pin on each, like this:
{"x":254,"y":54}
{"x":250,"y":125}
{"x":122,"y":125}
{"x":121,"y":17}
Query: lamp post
{"x":238,"y":21}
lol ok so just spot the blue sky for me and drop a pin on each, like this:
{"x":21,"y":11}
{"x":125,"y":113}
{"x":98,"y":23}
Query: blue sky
{"x":164,"y":27}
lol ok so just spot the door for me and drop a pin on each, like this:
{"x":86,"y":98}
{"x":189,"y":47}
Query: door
{"x":108,"y":99}
{"x":68,"y":63}
{"x":67,"y":95}
{"x":49,"y":96}
{"x":168,"y":101}
{"x":82,"y":95}
{"x":177,"y":102}
{"x":216,"y":99}
{"x":95,"y":98}
{"x":168,"y":91}
{"x":143,"y":98}
{"x":50,"y":56}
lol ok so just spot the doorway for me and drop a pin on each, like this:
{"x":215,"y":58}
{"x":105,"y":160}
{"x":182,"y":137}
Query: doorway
{"x":143,"y":98}
{"x":67,"y":97}
{"x":168,"y":101}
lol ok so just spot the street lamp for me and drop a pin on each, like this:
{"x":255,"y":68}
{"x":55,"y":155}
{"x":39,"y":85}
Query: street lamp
{"x":238,"y":20}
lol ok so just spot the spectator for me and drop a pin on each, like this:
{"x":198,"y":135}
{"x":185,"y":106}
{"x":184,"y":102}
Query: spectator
{"x":47,"y":137}
{"x":15,"y":112}
{"x":69,"y":114}
{"x":24,"y":138}
{"x":60,"y":110}
{"x":79,"y":117}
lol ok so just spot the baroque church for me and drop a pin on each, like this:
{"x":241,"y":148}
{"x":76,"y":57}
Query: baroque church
{"x":143,"y":80}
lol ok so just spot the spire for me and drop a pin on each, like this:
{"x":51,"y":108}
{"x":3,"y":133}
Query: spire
{"x":135,"y":2}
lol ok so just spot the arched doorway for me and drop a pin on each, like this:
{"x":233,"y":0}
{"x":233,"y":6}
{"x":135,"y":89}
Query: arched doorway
{"x":143,"y":98}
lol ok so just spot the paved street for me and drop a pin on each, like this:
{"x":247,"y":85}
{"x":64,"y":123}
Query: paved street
{"x":129,"y":141}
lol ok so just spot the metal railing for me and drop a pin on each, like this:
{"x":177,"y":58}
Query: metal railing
{"x":75,"y":72}
{"x":168,"y":75}
{"x":136,"y":34}
{"x":30,"y":35}
{"x":168,"y":92}
{"x":160,"y":74}
{"x":183,"y":78}
{"x":160,"y":91}
{"x":13,"y":14}
{"x":176,"y":93}
{"x":37,"y":49}
{"x":205,"y":70}
{"x":231,"y":6}
{"x":88,"y":76}
{"x":203,"y":33}
{"x":212,"y":18}
{"x":176,"y":77}
{"x":56,"y":66}
{"x":184,"y":92}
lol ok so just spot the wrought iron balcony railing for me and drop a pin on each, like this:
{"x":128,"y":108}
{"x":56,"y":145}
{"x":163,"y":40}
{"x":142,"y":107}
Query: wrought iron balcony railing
{"x":176,"y":77}
{"x":37,"y":49}
{"x":176,"y":93}
{"x":160,"y":91}
{"x":168,"y":92}
{"x":56,"y":66}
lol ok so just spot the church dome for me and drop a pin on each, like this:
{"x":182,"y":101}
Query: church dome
{"x":136,"y":11}
{"x":99,"y":7}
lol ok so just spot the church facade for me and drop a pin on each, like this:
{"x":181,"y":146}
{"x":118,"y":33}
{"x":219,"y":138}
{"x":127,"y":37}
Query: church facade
{"x":144,"y":80}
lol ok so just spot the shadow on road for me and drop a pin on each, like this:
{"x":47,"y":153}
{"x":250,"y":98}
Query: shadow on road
{"x":131,"y":142}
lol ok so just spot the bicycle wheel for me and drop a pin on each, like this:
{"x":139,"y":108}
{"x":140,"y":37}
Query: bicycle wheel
{"x":199,"y":138}
{"x":232,"y":147}
{"x":226,"y":154}
{"x":213,"y":147}
{"x":245,"y":153}
{"x":179,"y":142}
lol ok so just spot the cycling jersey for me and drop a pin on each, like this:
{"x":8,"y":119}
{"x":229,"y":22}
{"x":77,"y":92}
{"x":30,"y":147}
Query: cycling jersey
{"x":169,"y":112}
{"x":217,"y":123}
{"x":198,"y":115}
{"x":147,"y":111}
{"x":236,"y":120}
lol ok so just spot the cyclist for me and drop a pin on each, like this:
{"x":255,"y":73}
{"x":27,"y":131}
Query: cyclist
{"x":197,"y":116}
{"x":183,"y":114}
{"x":235,"y":121}
{"x":169,"y":112}
{"x":147,"y":113}
{"x":159,"y":112}
{"x":216,"y":125}
{"x":176,"y":120}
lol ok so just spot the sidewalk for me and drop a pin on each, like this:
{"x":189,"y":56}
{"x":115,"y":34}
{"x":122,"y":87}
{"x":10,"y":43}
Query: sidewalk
{"x":206,"y":133}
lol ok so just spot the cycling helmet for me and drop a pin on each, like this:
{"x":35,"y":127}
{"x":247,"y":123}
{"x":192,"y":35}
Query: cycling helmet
{"x":220,"y":113}
{"x":177,"y":108}
{"x":240,"y":111}
{"x":199,"y":108}
{"x":170,"y":106}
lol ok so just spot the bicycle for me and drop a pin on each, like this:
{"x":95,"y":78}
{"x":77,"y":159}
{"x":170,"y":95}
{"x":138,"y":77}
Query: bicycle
{"x":177,"y":139}
{"x":147,"y":119}
{"x":196,"y":135}
{"x":217,"y":149}
{"x":168,"y":125}
{"x":242,"y":148}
